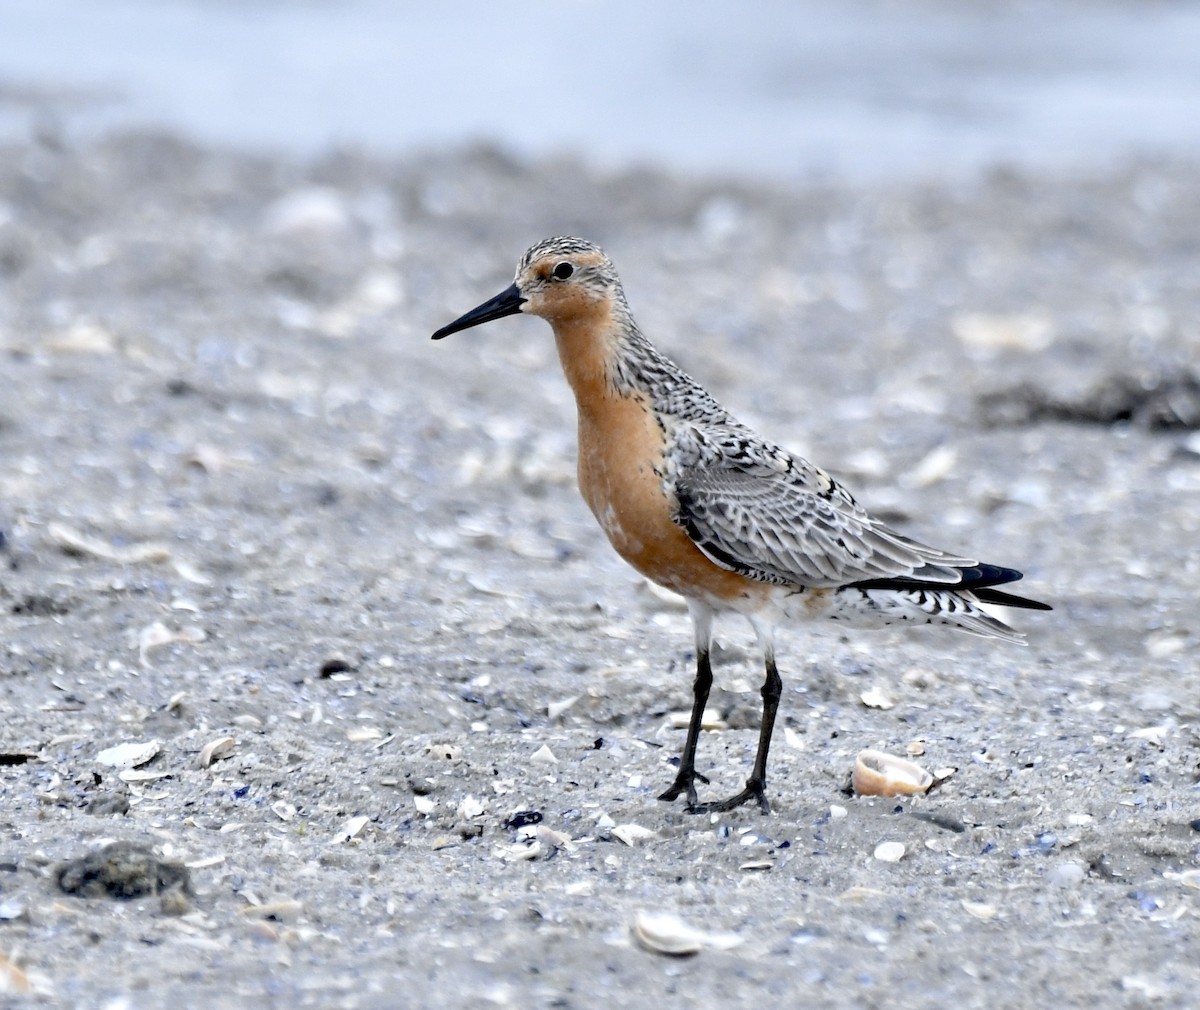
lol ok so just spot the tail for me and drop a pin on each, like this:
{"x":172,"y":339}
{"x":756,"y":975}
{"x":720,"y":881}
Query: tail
{"x":959,"y":605}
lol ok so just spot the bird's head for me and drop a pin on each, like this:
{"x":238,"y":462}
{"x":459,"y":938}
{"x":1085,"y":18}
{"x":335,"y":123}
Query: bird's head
{"x":560,"y":279}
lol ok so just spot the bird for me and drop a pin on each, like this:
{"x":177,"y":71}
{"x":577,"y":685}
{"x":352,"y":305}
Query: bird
{"x":702,"y":505}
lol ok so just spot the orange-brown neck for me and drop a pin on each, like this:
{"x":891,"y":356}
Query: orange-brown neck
{"x":587,"y":346}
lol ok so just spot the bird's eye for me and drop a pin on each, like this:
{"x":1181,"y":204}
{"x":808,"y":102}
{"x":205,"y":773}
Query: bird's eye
{"x":563,"y":270}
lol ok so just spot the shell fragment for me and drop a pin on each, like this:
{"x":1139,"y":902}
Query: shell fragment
{"x":877,"y":773}
{"x":216,"y":750}
{"x":129,"y":755}
{"x":665,"y":933}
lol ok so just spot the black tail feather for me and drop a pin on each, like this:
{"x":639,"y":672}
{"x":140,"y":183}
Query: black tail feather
{"x":1009,"y":600}
{"x":977,"y":579}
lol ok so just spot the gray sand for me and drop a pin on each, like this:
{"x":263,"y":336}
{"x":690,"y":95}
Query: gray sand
{"x":229,"y":455}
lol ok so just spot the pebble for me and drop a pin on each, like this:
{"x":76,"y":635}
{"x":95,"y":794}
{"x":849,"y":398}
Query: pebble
{"x":1067,"y":875}
{"x":890,"y":852}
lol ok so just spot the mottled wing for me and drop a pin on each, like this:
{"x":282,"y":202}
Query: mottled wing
{"x":779,"y":519}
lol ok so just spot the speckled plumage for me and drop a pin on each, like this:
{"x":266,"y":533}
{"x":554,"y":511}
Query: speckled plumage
{"x":702,"y":504}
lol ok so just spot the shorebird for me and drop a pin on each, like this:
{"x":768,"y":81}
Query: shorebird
{"x":702,"y":505}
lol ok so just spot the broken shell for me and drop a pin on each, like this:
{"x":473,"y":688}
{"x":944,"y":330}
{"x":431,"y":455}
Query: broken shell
{"x":710,"y":720}
{"x":352,"y":828}
{"x":216,"y":749}
{"x":471,"y":807}
{"x":137,"y":775}
{"x":664,"y":933}
{"x":633,"y":834}
{"x":557,"y":708}
{"x":282,"y":910}
{"x":981,"y":910}
{"x":877,"y":697}
{"x":128,"y":755}
{"x":879,"y":774}
{"x":12,"y":978}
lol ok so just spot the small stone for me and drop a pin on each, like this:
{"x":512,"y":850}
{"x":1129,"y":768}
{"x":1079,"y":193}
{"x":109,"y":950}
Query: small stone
{"x":108,"y":804}
{"x":1067,"y":875}
{"x":121,"y":870}
{"x":890,"y":852}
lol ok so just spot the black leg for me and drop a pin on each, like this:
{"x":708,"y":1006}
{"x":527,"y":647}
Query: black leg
{"x":756,"y":784}
{"x":685,"y":781}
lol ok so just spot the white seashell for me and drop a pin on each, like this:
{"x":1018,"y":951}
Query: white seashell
{"x":543,"y":755}
{"x":933,"y":468}
{"x":361,"y":734}
{"x":158,"y":634}
{"x":557,"y":708}
{"x":876,"y":697}
{"x":137,"y":775}
{"x":424,"y":804}
{"x":979,"y":910}
{"x":633,"y":834}
{"x":74,"y":542}
{"x":129,"y":755}
{"x":552,"y":839}
{"x":352,"y":828}
{"x":877,"y":773}
{"x":445,"y":751}
{"x":711,"y":720}
{"x":284,"y":810}
{"x":665,"y":933}
{"x":283,"y":909}
{"x":471,"y":807}
{"x":1153,"y":735}
{"x":984,"y":331}
{"x":1188,"y":878}
{"x":890,"y":852}
{"x":216,"y":750}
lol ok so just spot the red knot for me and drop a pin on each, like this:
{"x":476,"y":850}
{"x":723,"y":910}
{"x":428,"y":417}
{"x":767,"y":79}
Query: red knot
{"x":701,"y":504}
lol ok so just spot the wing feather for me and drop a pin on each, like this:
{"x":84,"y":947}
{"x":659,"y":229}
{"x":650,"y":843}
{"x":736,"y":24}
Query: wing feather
{"x":781,"y":520}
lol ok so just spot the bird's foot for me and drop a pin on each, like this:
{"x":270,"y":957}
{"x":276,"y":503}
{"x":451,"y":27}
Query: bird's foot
{"x":685,"y":783}
{"x":755,"y":790}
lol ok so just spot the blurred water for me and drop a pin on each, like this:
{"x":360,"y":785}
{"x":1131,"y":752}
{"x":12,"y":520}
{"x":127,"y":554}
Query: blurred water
{"x":776,"y":87}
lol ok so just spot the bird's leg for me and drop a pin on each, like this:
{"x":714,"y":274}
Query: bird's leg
{"x":685,"y":781}
{"x":756,"y":784}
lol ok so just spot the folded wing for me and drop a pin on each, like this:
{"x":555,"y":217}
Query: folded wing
{"x":790,"y":524}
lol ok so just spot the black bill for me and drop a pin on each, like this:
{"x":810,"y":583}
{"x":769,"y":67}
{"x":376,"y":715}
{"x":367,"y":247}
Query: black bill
{"x":507,"y":303}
